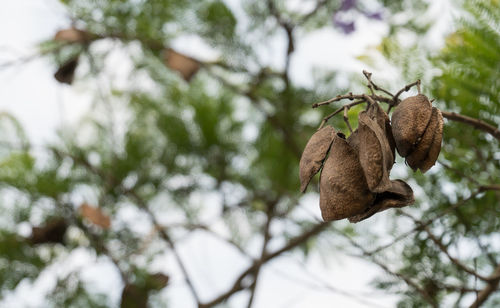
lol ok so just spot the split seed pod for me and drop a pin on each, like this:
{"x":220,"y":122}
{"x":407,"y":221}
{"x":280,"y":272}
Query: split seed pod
{"x":418,"y":130}
{"x":343,"y":189}
{"x":427,"y":150}
{"x":375,"y":154}
{"x":314,"y":155}
{"x":376,"y":113}
{"x":398,"y":195}
{"x":409,"y":122}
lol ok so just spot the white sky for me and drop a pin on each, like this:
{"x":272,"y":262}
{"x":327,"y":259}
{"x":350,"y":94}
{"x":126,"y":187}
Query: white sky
{"x":30,"y":92}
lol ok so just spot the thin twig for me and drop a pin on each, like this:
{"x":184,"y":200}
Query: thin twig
{"x":142,"y":205}
{"x":292,"y":243}
{"x":443,"y":248}
{"x":337,"y":98}
{"x":479,"y":190}
{"x":371,"y":84}
{"x":267,"y":237}
{"x":406,"y":88}
{"x":328,"y":117}
{"x":288,"y":27}
{"x":346,"y":118}
{"x":406,"y":279}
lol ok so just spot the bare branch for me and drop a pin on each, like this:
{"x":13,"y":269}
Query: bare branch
{"x":267,"y":237}
{"x":491,"y":287}
{"x":348,"y":106}
{"x":444,"y":249}
{"x":406,"y":88}
{"x":289,"y":29}
{"x":142,"y":205}
{"x":346,"y":118}
{"x":292,"y":243}
{"x":476,"y":123}
{"x":406,"y":279}
{"x":372,"y":85}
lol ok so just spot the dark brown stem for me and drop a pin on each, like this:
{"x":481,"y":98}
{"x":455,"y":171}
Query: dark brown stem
{"x":406,"y":279}
{"x":328,"y":117}
{"x":238,"y":284}
{"x":491,"y":287}
{"x":444,"y":249}
{"x":288,"y":27}
{"x":372,"y":85}
{"x":406,"y":88}
{"x":346,"y":118}
{"x":479,"y":190}
{"x":337,"y":98}
{"x":267,"y":237}
{"x":476,"y":123}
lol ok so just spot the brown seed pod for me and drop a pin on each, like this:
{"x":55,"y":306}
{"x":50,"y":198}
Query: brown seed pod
{"x":427,"y":150}
{"x":314,"y":155}
{"x":66,"y":72}
{"x":398,"y":195}
{"x":72,"y":35}
{"x":409,"y":122}
{"x":343,"y":189}
{"x":181,"y":63}
{"x":375,"y":155}
{"x":52,"y":232}
{"x":376,"y":113}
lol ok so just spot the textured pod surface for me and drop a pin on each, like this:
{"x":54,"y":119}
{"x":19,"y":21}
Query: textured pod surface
{"x":409,"y":122}
{"x":353,"y":140}
{"x":398,"y":195}
{"x":377,"y":114}
{"x":417,"y":157}
{"x":427,"y":151}
{"x":314,"y":155}
{"x":343,"y":189}
{"x":375,"y":155}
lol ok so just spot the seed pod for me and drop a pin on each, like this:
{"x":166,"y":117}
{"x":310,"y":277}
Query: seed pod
{"x":376,"y":113}
{"x":353,"y":140}
{"x":375,"y":154}
{"x":427,"y":150}
{"x":409,"y":122}
{"x":52,"y":232}
{"x":398,"y":195}
{"x":66,"y":72}
{"x":314,"y":155}
{"x":343,"y":189}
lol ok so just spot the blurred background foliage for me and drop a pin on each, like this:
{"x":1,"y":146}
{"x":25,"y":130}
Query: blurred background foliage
{"x":211,"y":143}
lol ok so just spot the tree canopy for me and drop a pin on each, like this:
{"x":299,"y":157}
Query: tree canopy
{"x":196,"y":131}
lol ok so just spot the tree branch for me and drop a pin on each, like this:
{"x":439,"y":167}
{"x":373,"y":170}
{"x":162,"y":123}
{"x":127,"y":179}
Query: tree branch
{"x":406,"y":279}
{"x":491,"y":287}
{"x":292,"y":243}
{"x":267,"y":237}
{"x":476,"y":123}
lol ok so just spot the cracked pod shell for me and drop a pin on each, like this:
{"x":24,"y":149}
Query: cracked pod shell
{"x":398,"y":195}
{"x":375,"y":154}
{"x":376,"y":113}
{"x":409,"y":122}
{"x":427,"y":150}
{"x":314,"y":155}
{"x":343,"y":189}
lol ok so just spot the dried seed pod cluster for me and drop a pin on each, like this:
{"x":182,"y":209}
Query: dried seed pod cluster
{"x":354,"y":181}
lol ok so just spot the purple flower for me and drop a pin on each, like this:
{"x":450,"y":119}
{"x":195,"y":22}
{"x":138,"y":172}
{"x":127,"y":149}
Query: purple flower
{"x":374,"y":15}
{"x":346,"y":27}
{"x":347,"y":5}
